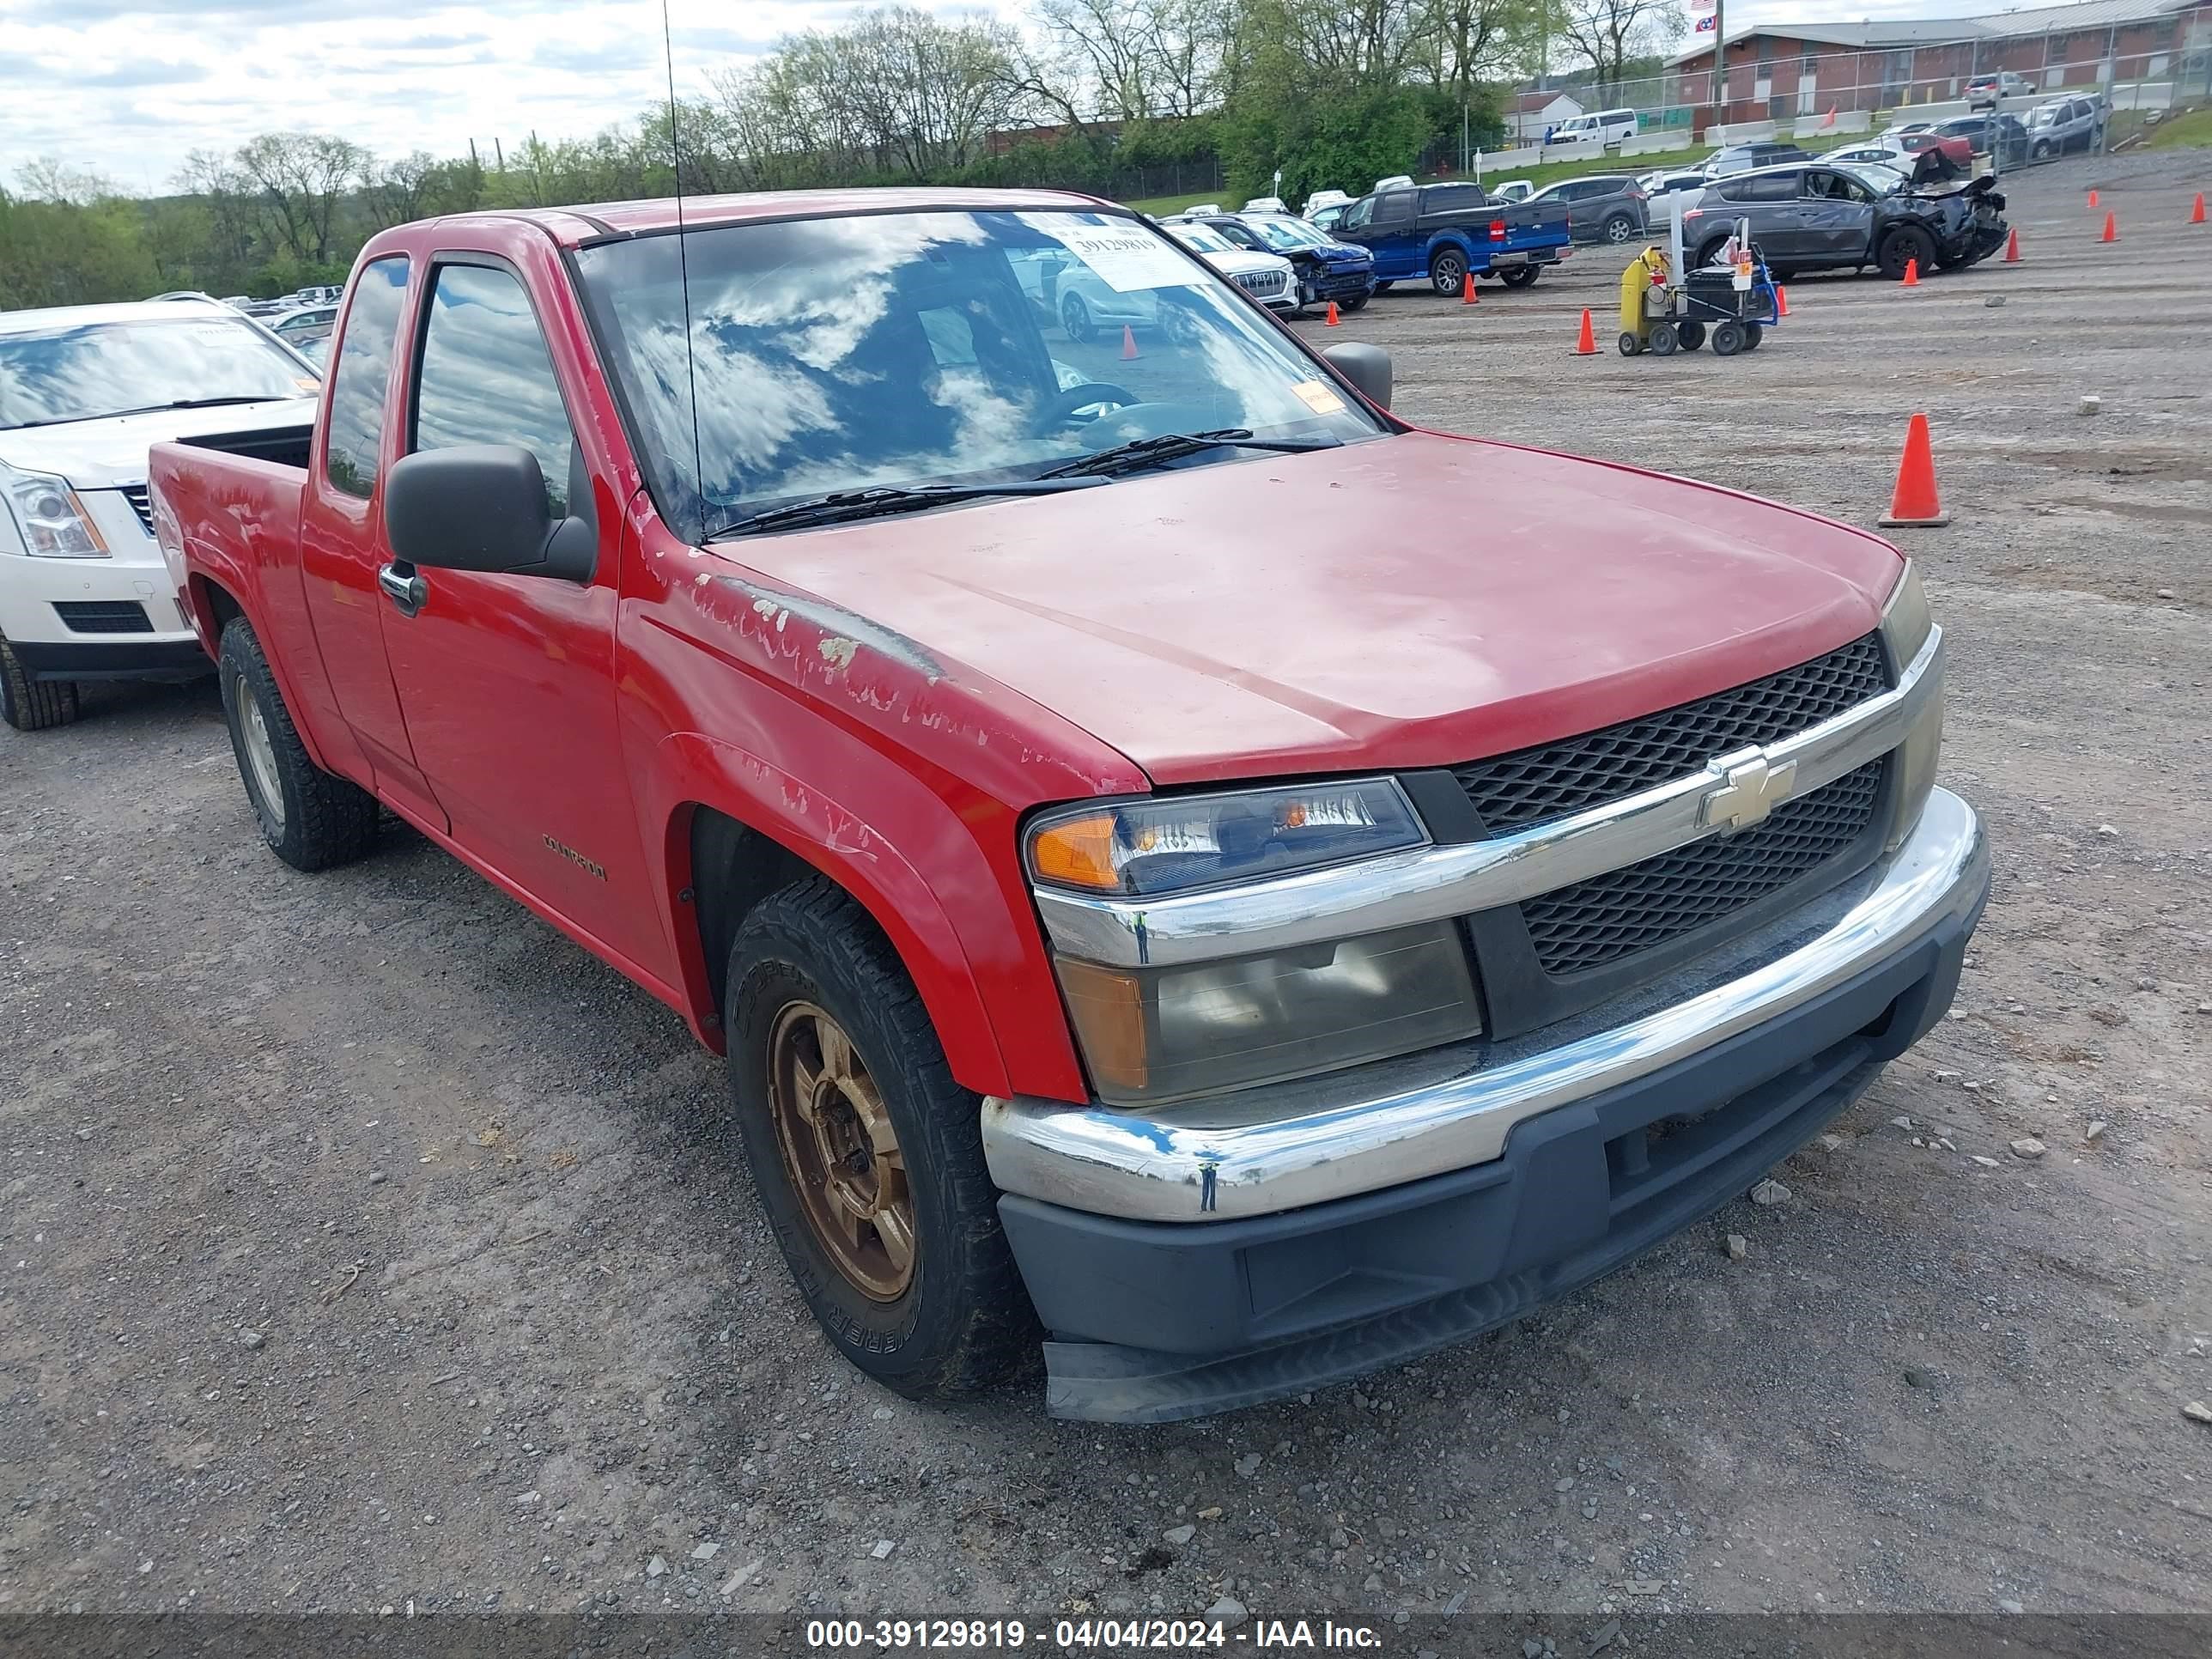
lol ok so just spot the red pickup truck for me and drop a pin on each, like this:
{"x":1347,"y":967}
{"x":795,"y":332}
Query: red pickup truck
{"x":1147,"y":917}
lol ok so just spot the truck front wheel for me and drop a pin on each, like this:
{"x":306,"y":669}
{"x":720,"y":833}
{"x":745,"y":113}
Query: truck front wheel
{"x":867,"y":1156}
{"x":1448,"y":272}
{"x":30,"y":705}
{"x":311,"y":818}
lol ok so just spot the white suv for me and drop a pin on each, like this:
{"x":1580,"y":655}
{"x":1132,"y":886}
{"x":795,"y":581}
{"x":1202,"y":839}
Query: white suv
{"x":84,"y":392}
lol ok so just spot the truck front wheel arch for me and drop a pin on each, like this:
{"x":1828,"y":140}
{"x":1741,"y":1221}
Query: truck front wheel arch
{"x":865,"y":1152}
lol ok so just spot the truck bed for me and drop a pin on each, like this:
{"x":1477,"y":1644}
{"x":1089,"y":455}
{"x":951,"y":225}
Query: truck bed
{"x":284,"y":446}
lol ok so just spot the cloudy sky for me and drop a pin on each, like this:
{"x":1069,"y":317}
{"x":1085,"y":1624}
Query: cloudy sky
{"x":127,"y":87}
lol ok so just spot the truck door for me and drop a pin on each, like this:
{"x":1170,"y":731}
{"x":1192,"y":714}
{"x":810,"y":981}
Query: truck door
{"x":340,"y":533}
{"x":508,"y":681}
{"x":1383,"y":225}
{"x":1398,"y":238}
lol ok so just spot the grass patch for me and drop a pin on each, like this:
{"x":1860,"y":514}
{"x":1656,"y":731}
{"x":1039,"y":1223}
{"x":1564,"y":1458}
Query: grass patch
{"x":2190,"y":131}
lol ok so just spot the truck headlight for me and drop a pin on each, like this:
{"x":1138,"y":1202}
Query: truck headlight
{"x":1906,"y":623}
{"x":1175,"y":843}
{"x":1155,"y":1034}
{"x":1151,"y":1035}
{"x":54,"y":523}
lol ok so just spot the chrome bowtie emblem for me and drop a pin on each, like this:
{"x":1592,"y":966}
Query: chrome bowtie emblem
{"x":1754,"y":787}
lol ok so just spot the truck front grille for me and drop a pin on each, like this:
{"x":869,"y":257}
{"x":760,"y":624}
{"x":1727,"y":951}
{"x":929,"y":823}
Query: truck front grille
{"x":1627,"y":910}
{"x":141,"y":504}
{"x":1555,"y":779}
{"x":1612,"y":916}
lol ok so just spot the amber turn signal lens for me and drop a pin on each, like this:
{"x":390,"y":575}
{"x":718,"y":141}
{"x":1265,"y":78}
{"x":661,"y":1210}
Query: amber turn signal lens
{"x":1078,"y":852}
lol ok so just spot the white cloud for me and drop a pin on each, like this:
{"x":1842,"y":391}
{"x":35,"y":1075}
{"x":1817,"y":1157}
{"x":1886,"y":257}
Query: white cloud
{"x":128,"y":87}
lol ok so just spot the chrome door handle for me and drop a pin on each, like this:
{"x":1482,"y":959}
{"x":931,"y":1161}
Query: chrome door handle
{"x":405,"y":588}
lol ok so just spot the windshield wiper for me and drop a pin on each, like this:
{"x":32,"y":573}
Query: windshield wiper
{"x":153,"y":409}
{"x":842,"y":504}
{"x":1141,"y":453}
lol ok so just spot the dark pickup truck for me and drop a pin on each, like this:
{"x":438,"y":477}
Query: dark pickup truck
{"x":1446,"y":233}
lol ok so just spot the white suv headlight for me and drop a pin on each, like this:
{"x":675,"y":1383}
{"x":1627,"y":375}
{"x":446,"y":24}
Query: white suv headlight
{"x":54,"y":523}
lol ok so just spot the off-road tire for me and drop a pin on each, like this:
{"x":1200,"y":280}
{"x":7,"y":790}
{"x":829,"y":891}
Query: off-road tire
{"x":30,"y":705}
{"x":324,"y":820}
{"x":964,"y":1325}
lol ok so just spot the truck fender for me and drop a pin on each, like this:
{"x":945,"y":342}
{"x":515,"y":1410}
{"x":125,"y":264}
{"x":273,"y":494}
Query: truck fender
{"x":690,"y":770}
{"x":218,"y":585}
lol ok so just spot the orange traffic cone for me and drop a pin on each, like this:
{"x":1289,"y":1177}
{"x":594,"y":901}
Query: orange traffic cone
{"x":2111,"y":229}
{"x":1781,"y":301}
{"x":1912,"y":272}
{"x":1914,"y":502}
{"x":1128,"y":343}
{"x":2196,"y":213}
{"x":1586,"y":345}
{"x":1331,"y":319}
{"x":2092,"y":198}
{"x":2012,"y":248}
{"x":1466,"y":290}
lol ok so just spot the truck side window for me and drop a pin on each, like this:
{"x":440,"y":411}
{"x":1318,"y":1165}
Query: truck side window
{"x":1396,"y":208}
{"x":486,"y":377}
{"x":364,"y":370}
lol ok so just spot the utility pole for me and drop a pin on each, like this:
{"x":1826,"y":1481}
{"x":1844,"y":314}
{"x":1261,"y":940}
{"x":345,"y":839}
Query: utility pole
{"x":1720,"y":62}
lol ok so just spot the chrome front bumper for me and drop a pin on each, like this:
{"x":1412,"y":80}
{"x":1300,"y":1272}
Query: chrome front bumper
{"x":1177,"y":1167}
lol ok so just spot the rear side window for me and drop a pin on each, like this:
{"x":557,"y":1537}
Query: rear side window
{"x":1396,"y":208}
{"x":1450,"y":198}
{"x":364,"y":369}
{"x":486,"y":377}
{"x":1765,"y":187}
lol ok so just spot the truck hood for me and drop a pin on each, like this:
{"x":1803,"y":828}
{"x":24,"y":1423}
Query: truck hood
{"x":1414,"y":600}
{"x":106,"y":454}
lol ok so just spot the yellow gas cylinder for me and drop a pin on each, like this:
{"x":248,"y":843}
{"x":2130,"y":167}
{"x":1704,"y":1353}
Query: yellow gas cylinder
{"x":1646,"y":274}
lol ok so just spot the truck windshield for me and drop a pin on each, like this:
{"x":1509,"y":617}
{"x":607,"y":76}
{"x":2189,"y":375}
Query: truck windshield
{"x":838,"y":354}
{"x":83,"y":371}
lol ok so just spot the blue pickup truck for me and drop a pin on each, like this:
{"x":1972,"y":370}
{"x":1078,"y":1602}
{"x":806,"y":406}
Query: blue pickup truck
{"x":1443,"y":233}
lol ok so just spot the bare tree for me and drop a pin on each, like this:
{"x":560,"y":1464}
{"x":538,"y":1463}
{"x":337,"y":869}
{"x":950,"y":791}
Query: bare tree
{"x":298,"y":178}
{"x":394,"y":191}
{"x":46,"y":179}
{"x":1609,"y":32}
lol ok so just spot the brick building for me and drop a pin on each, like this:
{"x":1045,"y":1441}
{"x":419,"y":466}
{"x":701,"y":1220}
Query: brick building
{"x":1778,"y":72}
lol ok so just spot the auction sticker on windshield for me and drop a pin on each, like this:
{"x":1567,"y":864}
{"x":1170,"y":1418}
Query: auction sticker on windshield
{"x":1125,"y":259}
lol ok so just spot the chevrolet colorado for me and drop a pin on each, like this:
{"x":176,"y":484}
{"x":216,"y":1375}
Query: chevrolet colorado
{"x":1145,"y":921}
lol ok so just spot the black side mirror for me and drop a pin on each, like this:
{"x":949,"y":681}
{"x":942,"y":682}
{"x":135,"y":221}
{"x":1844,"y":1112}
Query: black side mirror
{"x":1367,"y":366}
{"x":482,"y":507}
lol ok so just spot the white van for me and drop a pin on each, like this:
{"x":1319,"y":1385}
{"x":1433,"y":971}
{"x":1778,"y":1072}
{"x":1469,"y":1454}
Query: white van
{"x":1607,"y":127}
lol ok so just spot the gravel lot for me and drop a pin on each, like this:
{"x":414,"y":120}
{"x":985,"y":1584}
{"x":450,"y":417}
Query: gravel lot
{"x":367,"y":1243}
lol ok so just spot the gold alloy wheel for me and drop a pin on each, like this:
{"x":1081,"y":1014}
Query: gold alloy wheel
{"x":841,"y":1151}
